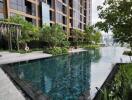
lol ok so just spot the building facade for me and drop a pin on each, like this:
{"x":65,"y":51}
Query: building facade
{"x":28,"y":9}
{"x":71,"y":14}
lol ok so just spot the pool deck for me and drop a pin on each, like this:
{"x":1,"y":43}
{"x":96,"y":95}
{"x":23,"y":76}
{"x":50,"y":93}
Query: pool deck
{"x":8,"y":91}
{"x":8,"y":57}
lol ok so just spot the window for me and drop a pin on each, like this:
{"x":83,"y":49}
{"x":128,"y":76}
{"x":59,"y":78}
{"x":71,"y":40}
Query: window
{"x":1,"y":15}
{"x":1,"y":7}
{"x":59,"y":18}
{"x":17,"y":5}
{"x":30,"y":8}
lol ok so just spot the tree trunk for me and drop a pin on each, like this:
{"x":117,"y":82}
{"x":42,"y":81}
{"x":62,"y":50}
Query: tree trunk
{"x":10,"y":39}
{"x":17,"y":40}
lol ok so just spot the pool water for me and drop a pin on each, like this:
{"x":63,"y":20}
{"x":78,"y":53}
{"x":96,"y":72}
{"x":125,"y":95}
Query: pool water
{"x":67,"y":77}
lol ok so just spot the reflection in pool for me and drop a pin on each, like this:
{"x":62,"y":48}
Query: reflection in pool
{"x":64,"y":77}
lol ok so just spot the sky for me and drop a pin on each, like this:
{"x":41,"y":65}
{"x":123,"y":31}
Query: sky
{"x":95,"y":3}
{"x":95,"y":18}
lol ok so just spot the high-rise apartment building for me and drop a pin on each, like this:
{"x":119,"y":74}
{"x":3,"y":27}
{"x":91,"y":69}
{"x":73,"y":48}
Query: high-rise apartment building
{"x":28,"y":9}
{"x":71,"y":14}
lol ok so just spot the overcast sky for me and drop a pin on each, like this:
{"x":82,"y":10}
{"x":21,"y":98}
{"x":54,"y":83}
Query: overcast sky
{"x":95,"y":18}
{"x":95,"y":3}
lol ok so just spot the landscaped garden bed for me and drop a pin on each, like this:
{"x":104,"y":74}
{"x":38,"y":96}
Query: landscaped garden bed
{"x":56,"y":50}
{"x":90,"y":46}
{"x":118,"y":86}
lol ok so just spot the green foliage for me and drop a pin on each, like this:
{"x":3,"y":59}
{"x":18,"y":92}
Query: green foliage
{"x":96,"y":37}
{"x":78,"y":36}
{"x":56,"y":51}
{"x":92,"y":35}
{"x":65,"y":44}
{"x":29,"y":31}
{"x":121,"y":87}
{"x":89,"y":30}
{"x":129,"y":53}
{"x":53,"y":35}
{"x":116,"y":16}
{"x":88,"y":36}
{"x":90,"y":46}
{"x":64,"y":50}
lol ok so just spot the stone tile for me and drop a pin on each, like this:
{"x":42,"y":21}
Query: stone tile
{"x":8,"y":57}
{"x":8,"y":91}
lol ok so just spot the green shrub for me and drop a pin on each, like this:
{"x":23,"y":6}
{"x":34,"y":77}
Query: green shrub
{"x":53,"y":35}
{"x":121,"y":86}
{"x":90,"y":46}
{"x":37,"y":49}
{"x":56,"y":51}
{"x":65,"y":44}
{"x":1,"y":49}
{"x":64,"y":50}
{"x":128,"y":53}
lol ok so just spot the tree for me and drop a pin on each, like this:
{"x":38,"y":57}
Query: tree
{"x":53,"y":35}
{"x":116,"y":16}
{"x":78,"y":36}
{"x":29,"y":31}
{"x":96,"y":37}
{"x":89,"y":31}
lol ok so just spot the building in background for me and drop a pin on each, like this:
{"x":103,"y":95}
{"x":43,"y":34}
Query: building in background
{"x":71,"y":14}
{"x":28,"y":9}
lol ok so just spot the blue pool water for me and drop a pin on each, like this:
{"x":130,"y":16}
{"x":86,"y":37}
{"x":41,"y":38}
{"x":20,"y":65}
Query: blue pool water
{"x":67,"y":77}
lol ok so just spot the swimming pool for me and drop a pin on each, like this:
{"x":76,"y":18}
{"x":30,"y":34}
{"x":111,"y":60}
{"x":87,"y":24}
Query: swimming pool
{"x":69,"y":77}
